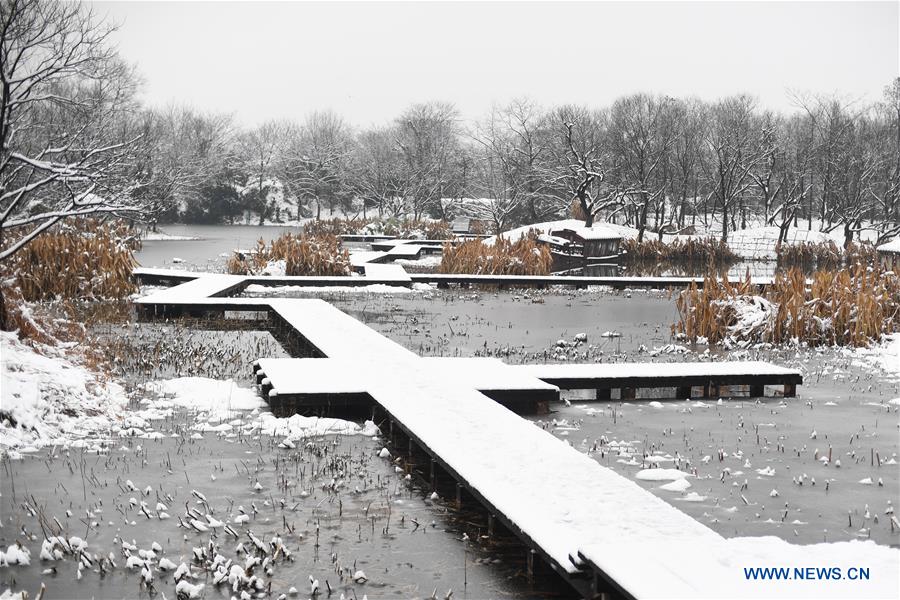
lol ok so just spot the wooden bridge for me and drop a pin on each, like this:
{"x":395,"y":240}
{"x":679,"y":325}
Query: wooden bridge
{"x":442,"y":280}
{"x":555,"y":499}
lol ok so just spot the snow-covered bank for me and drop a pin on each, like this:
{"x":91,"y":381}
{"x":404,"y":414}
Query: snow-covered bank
{"x":884,"y":356}
{"x":48,"y":399}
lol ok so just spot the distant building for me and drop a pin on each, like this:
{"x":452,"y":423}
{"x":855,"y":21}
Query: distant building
{"x":889,"y":254}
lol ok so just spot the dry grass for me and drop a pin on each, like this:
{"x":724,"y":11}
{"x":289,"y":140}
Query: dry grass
{"x":81,"y":260}
{"x":303,"y":254}
{"x":710,"y":251}
{"x":850,"y":307}
{"x":523,"y":257}
{"x":826,"y":255}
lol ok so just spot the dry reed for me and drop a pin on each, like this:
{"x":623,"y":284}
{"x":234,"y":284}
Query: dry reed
{"x":825,"y":255}
{"x":81,"y":260}
{"x":523,"y":257}
{"x":850,"y":307}
{"x":302,"y":254}
{"x":680,"y":250}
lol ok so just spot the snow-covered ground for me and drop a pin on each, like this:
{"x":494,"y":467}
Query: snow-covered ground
{"x":884,"y":356}
{"x":47,"y":398}
{"x":50,"y":399}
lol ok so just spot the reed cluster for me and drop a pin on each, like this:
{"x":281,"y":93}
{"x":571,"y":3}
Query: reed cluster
{"x":83,"y":259}
{"x":825,"y":255}
{"x":848,"y":307}
{"x":303,"y":254}
{"x":523,"y":257}
{"x":680,"y":250}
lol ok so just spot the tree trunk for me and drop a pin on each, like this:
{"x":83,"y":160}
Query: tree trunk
{"x":724,"y":220}
{"x":4,"y":316}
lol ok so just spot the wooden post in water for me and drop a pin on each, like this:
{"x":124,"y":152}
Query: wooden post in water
{"x":711,"y":390}
{"x":529,"y":564}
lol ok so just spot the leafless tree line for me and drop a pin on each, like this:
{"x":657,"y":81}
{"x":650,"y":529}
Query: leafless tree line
{"x":75,"y":141}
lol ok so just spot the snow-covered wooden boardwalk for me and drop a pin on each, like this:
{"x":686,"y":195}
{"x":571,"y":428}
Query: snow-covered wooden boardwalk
{"x":563,"y":505}
{"x":713,"y":377}
{"x":165,"y":276}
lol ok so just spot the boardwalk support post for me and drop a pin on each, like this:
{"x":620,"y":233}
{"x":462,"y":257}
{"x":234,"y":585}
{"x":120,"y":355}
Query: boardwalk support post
{"x":529,"y":564}
{"x":433,"y":475}
{"x":459,"y":495}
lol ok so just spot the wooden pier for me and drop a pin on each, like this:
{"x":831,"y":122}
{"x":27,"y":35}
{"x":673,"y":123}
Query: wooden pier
{"x":442,"y":280}
{"x":714,"y":379}
{"x":555,"y":499}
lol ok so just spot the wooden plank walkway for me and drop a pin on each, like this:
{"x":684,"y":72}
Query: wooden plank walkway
{"x":154,"y":276}
{"x":311,"y":385}
{"x":563,"y":505}
{"x":713,"y":377}
{"x":393,"y":273}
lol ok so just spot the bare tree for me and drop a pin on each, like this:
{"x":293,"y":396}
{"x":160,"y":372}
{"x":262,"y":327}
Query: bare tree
{"x":733,"y":149}
{"x":428,"y":137}
{"x":259,"y":149}
{"x":185,"y":150}
{"x":315,"y":159}
{"x":581,"y":172}
{"x":376,"y":164}
{"x":67,"y":142}
{"x":886,"y":191}
{"x":786,"y":177}
{"x":685,"y":157}
{"x":641,"y":135}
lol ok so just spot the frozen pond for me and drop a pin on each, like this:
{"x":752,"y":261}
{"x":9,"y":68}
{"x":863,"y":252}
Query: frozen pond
{"x":771,"y":479}
{"x":337,"y":506}
{"x":211,"y":248}
{"x":755,"y":467}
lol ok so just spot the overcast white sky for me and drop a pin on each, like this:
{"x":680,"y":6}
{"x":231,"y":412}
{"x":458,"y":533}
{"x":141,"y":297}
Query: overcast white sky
{"x":368,"y":61}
